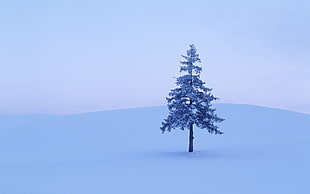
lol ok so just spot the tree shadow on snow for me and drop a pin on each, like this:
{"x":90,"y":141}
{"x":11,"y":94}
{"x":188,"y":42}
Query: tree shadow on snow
{"x":237,"y":153}
{"x":209,"y":154}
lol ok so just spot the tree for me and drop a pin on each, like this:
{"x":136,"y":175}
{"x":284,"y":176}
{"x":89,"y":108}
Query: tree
{"x":189,"y":103}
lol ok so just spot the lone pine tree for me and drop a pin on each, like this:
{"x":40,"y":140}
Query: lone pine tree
{"x":190,"y":103}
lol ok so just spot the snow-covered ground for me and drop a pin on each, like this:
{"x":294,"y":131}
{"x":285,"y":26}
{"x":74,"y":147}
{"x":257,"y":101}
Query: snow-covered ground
{"x":263,"y":151}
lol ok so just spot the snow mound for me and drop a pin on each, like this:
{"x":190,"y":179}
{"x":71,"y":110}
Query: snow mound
{"x":263,"y":150}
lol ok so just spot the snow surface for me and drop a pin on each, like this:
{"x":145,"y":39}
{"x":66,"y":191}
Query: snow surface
{"x":262,"y":151}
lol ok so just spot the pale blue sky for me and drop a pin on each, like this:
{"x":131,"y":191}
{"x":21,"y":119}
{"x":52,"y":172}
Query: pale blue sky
{"x":66,"y":56}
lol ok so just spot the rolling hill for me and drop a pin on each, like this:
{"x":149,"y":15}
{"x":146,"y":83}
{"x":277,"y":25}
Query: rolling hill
{"x":263,"y":150}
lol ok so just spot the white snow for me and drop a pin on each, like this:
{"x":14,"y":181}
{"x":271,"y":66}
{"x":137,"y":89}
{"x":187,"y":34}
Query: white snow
{"x":262,"y":151}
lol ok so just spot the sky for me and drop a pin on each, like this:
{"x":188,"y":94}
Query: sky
{"x":65,"y":56}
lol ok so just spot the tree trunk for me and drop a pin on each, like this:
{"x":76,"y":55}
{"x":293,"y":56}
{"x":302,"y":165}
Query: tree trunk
{"x":191,"y":138}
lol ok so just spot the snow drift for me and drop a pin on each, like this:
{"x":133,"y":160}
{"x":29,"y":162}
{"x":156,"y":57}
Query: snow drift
{"x":263,"y":150}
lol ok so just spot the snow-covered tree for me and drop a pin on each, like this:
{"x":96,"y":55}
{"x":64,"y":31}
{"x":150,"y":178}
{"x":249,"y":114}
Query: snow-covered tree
{"x":190,"y":103}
